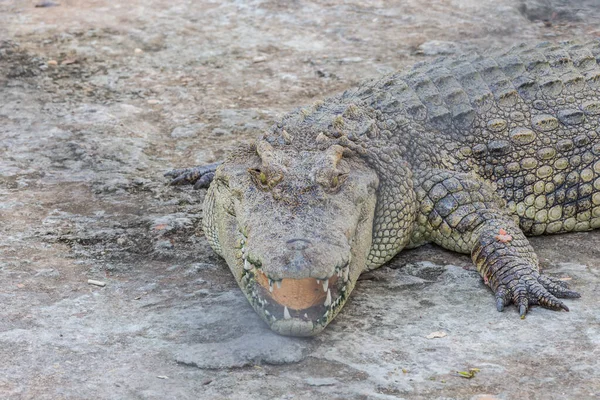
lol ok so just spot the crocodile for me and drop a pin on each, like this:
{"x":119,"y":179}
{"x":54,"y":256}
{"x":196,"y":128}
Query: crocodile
{"x":472,"y":152}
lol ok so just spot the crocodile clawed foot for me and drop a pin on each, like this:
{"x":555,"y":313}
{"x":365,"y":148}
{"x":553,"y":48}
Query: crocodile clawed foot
{"x":531,"y":289}
{"x":200,"y":176}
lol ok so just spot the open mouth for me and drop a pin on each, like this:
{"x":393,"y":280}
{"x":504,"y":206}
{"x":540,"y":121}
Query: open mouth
{"x":307,"y":301}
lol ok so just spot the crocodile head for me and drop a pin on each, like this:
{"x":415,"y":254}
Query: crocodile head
{"x":295,"y":228}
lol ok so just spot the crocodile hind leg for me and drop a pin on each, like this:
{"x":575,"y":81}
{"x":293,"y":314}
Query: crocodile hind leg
{"x":462,"y":213}
{"x":200,"y":176}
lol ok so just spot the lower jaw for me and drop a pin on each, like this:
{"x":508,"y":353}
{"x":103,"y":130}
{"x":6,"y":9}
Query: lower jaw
{"x":296,"y":327}
{"x":298,"y":324}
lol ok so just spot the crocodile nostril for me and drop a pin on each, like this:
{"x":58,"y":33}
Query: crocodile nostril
{"x":298,"y":244}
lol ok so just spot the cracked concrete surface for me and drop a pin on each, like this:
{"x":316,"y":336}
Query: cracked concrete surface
{"x":99,"y":98}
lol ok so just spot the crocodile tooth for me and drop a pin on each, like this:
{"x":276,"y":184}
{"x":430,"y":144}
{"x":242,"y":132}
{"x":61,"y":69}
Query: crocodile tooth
{"x":306,"y":315}
{"x":286,"y":313}
{"x":270,"y":285}
{"x":247,"y":265}
{"x":267,"y":313}
{"x":344,"y":288}
{"x":278,"y":284}
{"x":318,"y":282}
{"x":325,"y":285}
{"x":328,"y":299}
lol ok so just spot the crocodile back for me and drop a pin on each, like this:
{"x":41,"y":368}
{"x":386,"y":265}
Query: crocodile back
{"x":526,"y":120}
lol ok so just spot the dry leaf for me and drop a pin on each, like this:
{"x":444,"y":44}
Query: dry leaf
{"x":468,"y":374}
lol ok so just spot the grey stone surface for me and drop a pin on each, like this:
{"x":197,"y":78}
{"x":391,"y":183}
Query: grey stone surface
{"x":187,"y":131}
{"x":437,"y":47}
{"x":553,"y":11}
{"x":254,"y":349}
{"x":321,"y":381}
{"x":83,"y":145}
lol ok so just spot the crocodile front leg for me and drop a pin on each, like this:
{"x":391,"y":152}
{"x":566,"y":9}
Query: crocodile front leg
{"x":200,"y":176}
{"x":462,"y":213}
{"x":498,"y":255}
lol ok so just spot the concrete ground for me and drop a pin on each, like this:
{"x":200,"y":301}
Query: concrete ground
{"x":98,"y":98}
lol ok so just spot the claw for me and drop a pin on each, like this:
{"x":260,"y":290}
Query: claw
{"x":175,"y":172}
{"x":549,"y":301}
{"x":522,"y":302}
{"x":499,"y":304}
{"x":502,"y":298}
{"x":557,"y":289}
{"x":567,"y":294}
{"x":204,"y":181}
{"x":184,"y":178}
{"x":200,"y":176}
{"x":522,"y":311}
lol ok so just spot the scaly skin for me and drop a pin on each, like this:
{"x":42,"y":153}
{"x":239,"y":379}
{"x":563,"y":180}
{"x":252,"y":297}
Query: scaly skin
{"x":472,"y":153}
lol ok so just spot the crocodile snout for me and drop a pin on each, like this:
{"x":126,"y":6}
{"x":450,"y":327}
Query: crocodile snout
{"x":298,"y":244}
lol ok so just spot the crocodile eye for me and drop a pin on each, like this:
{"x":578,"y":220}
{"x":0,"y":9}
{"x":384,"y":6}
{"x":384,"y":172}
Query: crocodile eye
{"x":258,"y":176}
{"x":337,"y":181}
{"x":263,"y":180}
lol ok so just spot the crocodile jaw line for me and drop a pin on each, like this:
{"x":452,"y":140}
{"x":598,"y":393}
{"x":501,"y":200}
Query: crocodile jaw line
{"x":290,"y":315}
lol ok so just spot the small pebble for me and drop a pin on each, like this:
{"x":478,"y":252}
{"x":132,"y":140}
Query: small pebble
{"x":53,"y":63}
{"x":138,"y":51}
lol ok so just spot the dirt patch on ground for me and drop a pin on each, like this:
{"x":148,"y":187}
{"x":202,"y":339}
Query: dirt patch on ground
{"x":99,"y":98}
